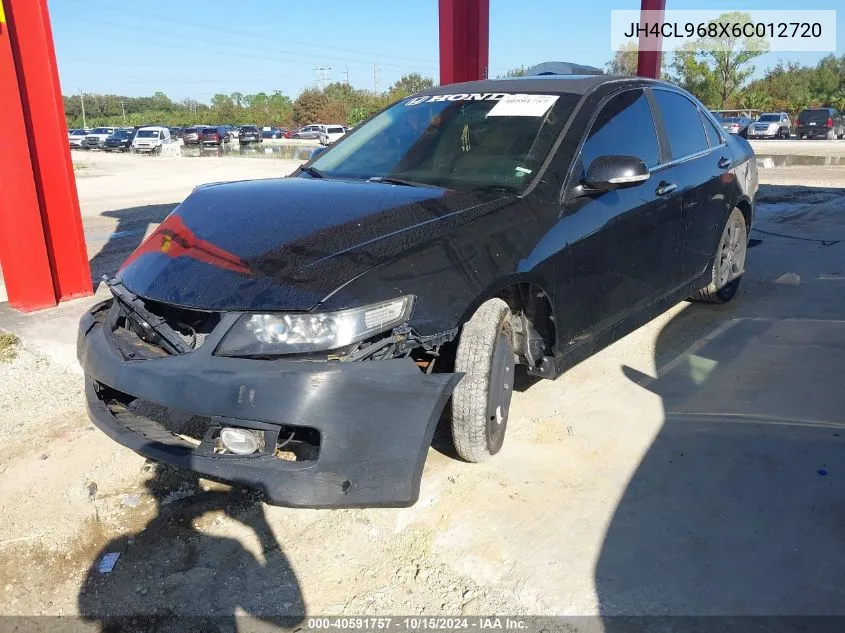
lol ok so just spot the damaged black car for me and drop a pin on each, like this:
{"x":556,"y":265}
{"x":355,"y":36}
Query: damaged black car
{"x":303,"y":335}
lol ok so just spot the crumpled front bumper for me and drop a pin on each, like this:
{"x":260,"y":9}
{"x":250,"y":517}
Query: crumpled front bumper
{"x":375,"y":419}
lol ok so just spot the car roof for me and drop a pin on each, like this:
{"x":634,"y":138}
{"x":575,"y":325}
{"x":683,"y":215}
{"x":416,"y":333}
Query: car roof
{"x":154,"y":127}
{"x":573,"y":84}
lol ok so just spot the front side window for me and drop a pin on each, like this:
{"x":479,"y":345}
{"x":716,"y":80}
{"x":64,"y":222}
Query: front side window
{"x":624,"y":127}
{"x":459,"y":141}
{"x":683,"y":124}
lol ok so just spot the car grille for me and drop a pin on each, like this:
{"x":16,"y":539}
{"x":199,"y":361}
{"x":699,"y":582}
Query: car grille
{"x":192,"y":326}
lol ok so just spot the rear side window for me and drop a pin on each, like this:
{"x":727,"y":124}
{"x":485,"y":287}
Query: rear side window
{"x":683,"y":124}
{"x":713,"y":136}
{"x":624,"y":127}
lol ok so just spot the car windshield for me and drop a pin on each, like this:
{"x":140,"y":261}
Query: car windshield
{"x":732,"y":119}
{"x":120,"y":134}
{"x":335,"y":130}
{"x":101,"y":130}
{"x":460,"y":141}
{"x":769,"y":118}
{"x":814,"y":115}
{"x":147,"y":134}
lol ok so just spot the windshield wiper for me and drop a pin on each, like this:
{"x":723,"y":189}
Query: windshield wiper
{"x":313,"y":172}
{"x":497,"y":188}
{"x":398,"y":181}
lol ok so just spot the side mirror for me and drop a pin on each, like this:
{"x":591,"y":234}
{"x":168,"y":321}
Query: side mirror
{"x":317,"y":151}
{"x":612,"y":172}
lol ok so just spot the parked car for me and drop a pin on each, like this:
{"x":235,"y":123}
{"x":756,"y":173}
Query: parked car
{"x":215,"y":135}
{"x":308,"y":132}
{"x":191,"y":135}
{"x":249,"y":134}
{"x":151,"y":139}
{"x":770,"y":125}
{"x":120,"y":141}
{"x":272,"y":132}
{"x":736,"y":125}
{"x":331,"y":134}
{"x":96,"y":138}
{"x":75,"y":137}
{"x":316,"y":325}
{"x":820,"y":123}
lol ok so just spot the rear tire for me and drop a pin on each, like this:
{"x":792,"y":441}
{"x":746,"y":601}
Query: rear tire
{"x":728,"y":264}
{"x":481,"y":401}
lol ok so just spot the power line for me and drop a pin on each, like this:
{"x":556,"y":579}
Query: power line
{"x":252,"y":45}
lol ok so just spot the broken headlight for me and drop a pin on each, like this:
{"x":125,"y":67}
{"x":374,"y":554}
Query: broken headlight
{"x":302,"y":332}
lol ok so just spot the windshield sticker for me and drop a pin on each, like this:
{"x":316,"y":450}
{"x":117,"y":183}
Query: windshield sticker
{"x":523,"y":105}
{"x":461,"y":96}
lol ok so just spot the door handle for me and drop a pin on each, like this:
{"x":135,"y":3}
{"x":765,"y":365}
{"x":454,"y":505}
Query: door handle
{"x":724,"y":163}
{"x":665,"y":188}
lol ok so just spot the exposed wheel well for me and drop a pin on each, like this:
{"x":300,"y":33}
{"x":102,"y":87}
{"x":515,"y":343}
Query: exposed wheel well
{"x":533,"y":323}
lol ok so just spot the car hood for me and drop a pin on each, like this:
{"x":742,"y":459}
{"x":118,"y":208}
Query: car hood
{"x":284,"y":244}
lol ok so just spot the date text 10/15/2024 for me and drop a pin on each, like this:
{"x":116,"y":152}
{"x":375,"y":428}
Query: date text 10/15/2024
{"x":416,"y":623}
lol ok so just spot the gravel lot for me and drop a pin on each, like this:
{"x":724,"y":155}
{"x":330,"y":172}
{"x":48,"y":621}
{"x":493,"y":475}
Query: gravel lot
{"x":593,"y":506}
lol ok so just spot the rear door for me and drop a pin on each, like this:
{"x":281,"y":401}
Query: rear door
{"x":619,"y":253}
{"x":700,"y":166}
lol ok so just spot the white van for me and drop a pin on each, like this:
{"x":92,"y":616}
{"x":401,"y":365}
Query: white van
{"x":153,"y":139}
{"x":331,"y":133}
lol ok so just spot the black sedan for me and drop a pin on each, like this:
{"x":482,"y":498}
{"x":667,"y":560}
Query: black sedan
{"x":120,"y":141}
{"x":316,"y":325}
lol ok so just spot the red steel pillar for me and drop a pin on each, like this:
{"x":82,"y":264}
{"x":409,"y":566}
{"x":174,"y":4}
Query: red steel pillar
{"x":42,"y":244}
{"x":464,"y":40}
{"x":649,"y":61}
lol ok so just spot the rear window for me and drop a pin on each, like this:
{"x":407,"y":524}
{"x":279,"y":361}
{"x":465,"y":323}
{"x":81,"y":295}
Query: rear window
{"x":814,"y":115}
{"x":147,"y":134}
{"x":249,"y":128}
{"x":335,"y":130}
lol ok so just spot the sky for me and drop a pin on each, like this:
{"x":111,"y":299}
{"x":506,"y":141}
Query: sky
{"x":196,"y":48}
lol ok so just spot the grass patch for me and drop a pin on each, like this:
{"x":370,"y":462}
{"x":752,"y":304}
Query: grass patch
{"x":8,"y":346}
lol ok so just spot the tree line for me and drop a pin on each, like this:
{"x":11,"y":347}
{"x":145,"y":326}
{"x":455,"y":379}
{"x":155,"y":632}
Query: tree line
{"x":335,"y":103}
{"x":716,"y":70}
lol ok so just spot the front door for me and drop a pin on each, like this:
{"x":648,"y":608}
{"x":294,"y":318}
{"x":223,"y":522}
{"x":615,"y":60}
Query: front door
{"x":622,"y":244}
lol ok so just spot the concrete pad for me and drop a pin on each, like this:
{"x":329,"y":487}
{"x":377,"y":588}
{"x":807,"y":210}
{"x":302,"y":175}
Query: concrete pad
{"x":736,"y":506}
{"x":51,"y":333}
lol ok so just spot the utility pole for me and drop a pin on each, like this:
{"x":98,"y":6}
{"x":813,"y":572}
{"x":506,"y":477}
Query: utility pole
{"x":322,"y":75}
{"x":82,"y":101}
{"x":375,"y":78}
{"x":123,"y":110}
{"x":347,"y":75}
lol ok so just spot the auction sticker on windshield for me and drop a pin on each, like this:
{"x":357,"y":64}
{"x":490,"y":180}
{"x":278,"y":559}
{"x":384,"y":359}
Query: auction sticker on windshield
{"x":523,"y":105}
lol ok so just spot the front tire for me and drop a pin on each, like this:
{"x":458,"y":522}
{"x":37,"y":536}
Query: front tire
{"x":481,"y":401}
{"x":729,"y":262}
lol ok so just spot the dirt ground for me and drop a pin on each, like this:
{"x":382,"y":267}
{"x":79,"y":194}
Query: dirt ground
{"x":601,"y":501}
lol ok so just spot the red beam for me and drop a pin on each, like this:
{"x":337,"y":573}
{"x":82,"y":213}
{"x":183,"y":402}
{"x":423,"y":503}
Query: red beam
{"x":23,"y":250}
{"x":43,"y":107}
{"x":464,"y":40}
{"x":649,"y":61}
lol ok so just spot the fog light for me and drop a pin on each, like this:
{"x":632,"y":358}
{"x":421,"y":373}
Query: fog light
{"x":239,"y":441}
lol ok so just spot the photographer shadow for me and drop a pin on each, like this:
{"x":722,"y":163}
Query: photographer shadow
{"x":179,"y":573}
